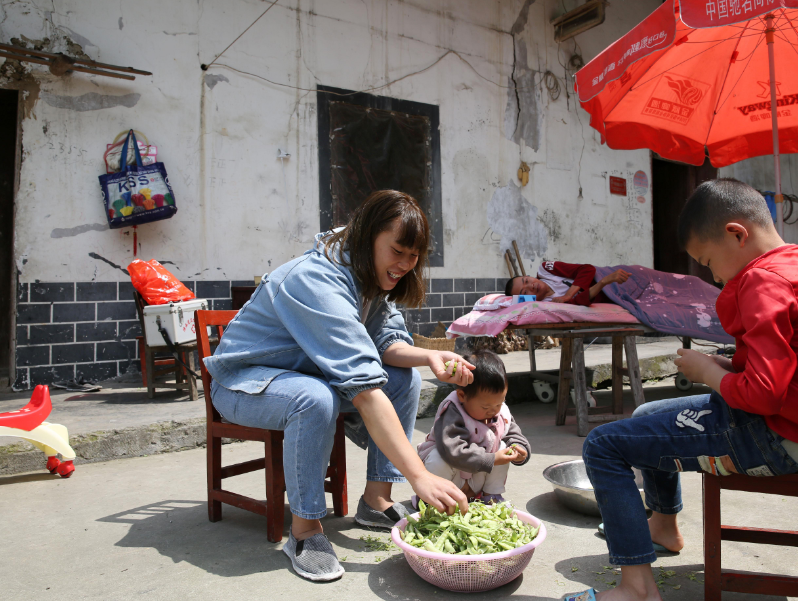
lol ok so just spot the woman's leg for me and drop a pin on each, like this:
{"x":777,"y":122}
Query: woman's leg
{"x":713,"y":438}
{"x":305,"y":408}
{"x":403,"y":390}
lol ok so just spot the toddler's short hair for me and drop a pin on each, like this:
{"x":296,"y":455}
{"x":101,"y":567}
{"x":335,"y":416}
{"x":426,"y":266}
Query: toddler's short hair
{"x":489,"y":375}
{"x":716,"y":203}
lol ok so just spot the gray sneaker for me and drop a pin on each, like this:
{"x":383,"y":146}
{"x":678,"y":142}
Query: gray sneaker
{"x":313,"y":558}
{"x":366,"y":516}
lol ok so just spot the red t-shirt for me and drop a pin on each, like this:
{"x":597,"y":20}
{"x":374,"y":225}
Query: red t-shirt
{"x":759,"y":307}
{"x":574,"y":274}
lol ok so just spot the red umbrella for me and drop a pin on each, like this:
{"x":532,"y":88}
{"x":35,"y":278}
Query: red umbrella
{"x":700,"y":76}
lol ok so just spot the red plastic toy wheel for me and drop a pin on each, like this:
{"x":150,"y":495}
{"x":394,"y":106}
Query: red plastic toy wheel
{"x":52,"y":464}
{"x":65,"y":469}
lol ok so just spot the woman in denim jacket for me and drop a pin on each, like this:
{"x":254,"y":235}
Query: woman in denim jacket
{"x":321,"y":335}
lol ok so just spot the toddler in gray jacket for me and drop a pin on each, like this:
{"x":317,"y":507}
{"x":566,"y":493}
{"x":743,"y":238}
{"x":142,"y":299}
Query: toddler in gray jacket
{"x":474,"y":438}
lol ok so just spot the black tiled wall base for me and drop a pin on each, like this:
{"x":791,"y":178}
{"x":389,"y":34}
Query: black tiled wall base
{"x":88,"y":329}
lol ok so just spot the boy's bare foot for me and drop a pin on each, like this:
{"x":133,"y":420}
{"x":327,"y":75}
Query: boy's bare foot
{"x":665,"y":531}
{"x":637,"y":584}
{"x":468,"y":492}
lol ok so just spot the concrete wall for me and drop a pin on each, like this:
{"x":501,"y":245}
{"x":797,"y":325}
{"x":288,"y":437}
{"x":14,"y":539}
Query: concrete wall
{"x":242,"y":211}
{"x":759,"y":173}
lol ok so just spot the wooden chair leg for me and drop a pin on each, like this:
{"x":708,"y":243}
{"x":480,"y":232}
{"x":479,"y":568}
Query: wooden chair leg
{"x":564,"y":387}
{"x":193,"y":395}
{"x":712,"y":532}
{"x":142,"y":359}
{"x":635,"y":380}
{"x":530,"y":344}
{"x":150,"y":359}
{"x":617,"y":374}
{"x":214,"y":457}
{"x":338,"y":480}
{"x":580,"y":387}
{"x":275,"y":487}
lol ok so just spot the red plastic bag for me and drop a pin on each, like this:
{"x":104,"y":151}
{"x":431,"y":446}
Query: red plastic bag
{"x":156,"y":284}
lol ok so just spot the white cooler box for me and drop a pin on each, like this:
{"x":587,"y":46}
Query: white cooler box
{"x":176,"y":318}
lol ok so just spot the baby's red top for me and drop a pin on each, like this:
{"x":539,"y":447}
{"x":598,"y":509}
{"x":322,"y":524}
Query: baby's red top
{"x":759,"y":307}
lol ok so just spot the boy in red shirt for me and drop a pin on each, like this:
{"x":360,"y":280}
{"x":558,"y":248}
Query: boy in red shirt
{"x":749,"y":425}
{"x":560,"y":282}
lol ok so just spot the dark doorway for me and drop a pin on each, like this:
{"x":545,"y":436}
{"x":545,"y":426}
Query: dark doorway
{"x":369,"y":143}
{"x":672,"y":184}
{"x":9,"y":100}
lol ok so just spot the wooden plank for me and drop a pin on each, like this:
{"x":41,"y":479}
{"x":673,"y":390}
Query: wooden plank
{"x":781,"y":485}
{"x":758,"y":583}
{"x":604,"y":409}
{"x":225,"y":430}
{"x":564,"y":386}
{"x":520,"y":260}
{"x":243,"y":468}
{"x":635,"y":381}
{"x":509,"y":264}
{"x":617,"y":377}
{"x":760,"y":536}
{"x":81,"y":61}
{"x":246,"y":503}
{"x":712,"y":575}
{"x":580,"y":387}
{"x":530,"y":344}
{"x":600,"y":419}
{"x":603,"y":328}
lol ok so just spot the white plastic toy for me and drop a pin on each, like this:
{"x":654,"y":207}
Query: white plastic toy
{"x":52,"y":439}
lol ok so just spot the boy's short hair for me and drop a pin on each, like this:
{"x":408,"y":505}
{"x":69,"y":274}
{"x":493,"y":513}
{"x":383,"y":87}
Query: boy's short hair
{"x":716,"y":203}
{"x":508,"y":287}
{"x":489,"y":375}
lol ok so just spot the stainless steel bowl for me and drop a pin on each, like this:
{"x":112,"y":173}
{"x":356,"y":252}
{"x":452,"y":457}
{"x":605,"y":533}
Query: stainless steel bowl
{"x":572,"y":486}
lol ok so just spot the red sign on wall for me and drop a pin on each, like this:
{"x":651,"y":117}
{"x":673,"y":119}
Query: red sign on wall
{"x":618,"y":185}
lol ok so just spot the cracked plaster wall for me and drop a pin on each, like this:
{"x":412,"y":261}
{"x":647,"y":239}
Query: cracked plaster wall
{"x":241,"y":210}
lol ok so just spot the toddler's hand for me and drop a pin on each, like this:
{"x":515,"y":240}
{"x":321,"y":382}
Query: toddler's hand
{"x":693,"y":364}
{"x":521,"y":454}
{"x":561,"y":299}
{"x":505,"y":456}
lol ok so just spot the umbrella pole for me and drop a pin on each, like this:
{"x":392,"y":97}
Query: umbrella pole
{"x":774,"y":114}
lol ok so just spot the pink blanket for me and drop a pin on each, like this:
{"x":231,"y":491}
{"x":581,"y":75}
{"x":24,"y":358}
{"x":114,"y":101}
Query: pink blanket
{"x":491,"y":322}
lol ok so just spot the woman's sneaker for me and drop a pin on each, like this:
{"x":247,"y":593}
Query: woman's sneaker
{"x":367,"y":516}
{"x":313,"y":558}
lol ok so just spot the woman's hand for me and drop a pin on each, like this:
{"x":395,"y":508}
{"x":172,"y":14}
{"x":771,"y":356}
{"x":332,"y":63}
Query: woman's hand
{"x":458,"y":373}
{"x":442,"y":494}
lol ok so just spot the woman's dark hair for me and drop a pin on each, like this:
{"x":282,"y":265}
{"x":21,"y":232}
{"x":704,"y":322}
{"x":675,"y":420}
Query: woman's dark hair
{"x":489,"y":375}
{"x":377,"y":214}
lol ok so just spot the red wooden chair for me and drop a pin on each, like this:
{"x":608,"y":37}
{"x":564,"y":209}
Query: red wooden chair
{"x":717,"y":580}
{"x":274,"y":505}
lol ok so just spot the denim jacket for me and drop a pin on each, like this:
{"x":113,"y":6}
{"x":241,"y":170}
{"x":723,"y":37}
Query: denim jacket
{"x":305,"y":317}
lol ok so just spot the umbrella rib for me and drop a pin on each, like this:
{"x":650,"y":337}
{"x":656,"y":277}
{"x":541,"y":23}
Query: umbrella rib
{"x":720,"y":105}
{"x":639,"y":84}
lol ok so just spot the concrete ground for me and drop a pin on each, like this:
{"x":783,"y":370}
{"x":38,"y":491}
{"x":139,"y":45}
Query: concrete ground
{"x":139,"y":528}
{"x":125,"y":404}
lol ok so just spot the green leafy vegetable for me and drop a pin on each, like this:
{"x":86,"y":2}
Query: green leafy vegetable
{"x":484,"y":529}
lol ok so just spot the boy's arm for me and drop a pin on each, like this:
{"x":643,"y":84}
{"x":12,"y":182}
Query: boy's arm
{"x":512,"y":436}
{"x":451,"y":442}
{"x":768,"y":311}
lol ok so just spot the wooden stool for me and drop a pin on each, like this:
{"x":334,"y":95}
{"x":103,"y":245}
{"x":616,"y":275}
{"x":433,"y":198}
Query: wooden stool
{"x":151,"y":367}
{"x":274,"y":505}
{"x":717,"y":580}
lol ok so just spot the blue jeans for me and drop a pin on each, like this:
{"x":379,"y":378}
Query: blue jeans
{"x":699,"y":433}
{"x":306,"y":409}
